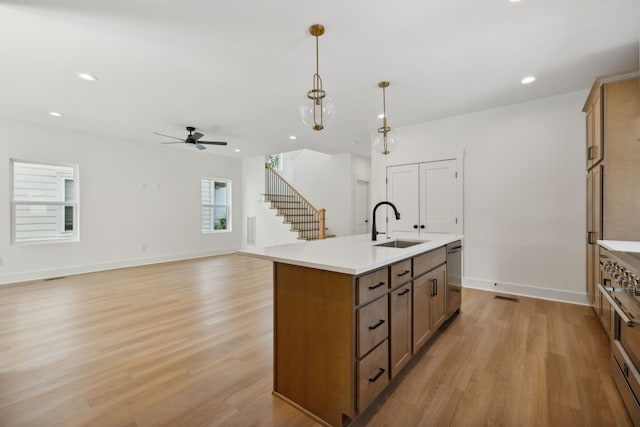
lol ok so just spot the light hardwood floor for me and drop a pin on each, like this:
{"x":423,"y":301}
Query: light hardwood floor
{"x":190,"y":344}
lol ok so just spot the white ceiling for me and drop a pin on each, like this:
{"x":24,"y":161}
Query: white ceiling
{"x":238,"y":70}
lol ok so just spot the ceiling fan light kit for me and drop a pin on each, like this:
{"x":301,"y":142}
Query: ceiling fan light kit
{"x":317,"y":108}
{"x":384,"y":138}
{"x":192,"y":138}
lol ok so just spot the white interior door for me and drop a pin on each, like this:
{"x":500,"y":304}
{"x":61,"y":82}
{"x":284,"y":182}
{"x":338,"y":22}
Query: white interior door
{"x":438,"y":196}
{"x":402,"y":191}
{"x":362,"y":207}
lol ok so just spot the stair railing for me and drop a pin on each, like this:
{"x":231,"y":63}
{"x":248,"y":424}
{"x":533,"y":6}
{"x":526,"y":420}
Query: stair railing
{"x":300,"y":211}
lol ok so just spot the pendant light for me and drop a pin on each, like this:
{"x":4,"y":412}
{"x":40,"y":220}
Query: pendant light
{"x":317,"y":108}
{"x":384,"y":138}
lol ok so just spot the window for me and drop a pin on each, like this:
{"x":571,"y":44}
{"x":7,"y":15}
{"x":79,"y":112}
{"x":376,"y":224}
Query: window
{"x":44,"y":202}
{"x":216,"y":205}
{"x":274,"y":161}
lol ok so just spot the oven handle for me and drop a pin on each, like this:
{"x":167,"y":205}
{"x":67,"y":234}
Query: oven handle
{"x":616,"y":307}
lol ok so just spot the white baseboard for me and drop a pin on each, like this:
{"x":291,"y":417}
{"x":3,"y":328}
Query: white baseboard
{"x":27,"y":276}
{"x":527,"y":291}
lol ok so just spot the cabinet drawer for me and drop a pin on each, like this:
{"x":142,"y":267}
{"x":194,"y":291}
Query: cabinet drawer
{"x":373,"y":376}
{"x":429,"y":261}
{"x":372,"y":285}
{"x":373,"y":325}
{"x":401,"y":272}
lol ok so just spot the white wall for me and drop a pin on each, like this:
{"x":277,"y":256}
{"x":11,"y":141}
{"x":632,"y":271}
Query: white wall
{"x":524,"y":192}
{"x":132,"y":195}
{"x":326,"y":182}
{"x":269,"y":228}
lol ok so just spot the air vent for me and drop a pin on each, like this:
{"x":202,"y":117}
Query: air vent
{"x":512,"y":299}
{"x":251,"y":230}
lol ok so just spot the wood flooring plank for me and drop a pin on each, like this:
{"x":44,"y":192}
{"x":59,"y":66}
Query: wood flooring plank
{"x":190,"y":343}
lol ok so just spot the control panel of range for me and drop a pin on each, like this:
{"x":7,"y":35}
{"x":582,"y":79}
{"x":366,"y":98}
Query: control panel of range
{"x":623,"y":274}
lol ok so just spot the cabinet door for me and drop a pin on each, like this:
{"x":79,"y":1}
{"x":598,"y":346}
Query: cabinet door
{"x":400,"y":328}
{"x":402,"y":191}
{"x":594,"y":229}
{"x":421,"y":311}
{"x":621,"y":104}
{"x":438,"y":306}
{"x":590,"y":246}
{"x":597,"y":151}
{"x":589,"y":123}
{"x":437,"y":196}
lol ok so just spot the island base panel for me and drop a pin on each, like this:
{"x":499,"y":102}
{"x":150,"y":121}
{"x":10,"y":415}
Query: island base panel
{"x":314,"y":341}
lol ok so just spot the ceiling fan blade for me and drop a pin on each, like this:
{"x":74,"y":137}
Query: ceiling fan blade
{"x":200,"y":146}
{"x":213,"y":142}
{"x":173,"y":142}
{"x":196,"y":136}
{"x":168,"y":136}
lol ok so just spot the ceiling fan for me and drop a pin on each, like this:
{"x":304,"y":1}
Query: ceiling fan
{"x":192,"y":138}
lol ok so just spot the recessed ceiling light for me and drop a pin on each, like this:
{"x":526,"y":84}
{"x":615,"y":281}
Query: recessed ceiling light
{"x":237,"y":150}
{"x":527,"y":80}
{"x":56,"y":114}
{"x":86,"y":76}
{"x":514,"y":1}
{"x":293,"y":137}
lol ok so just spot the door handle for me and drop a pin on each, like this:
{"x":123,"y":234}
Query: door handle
{"x":422,"y":226}
{"x":434,"y":287}
{"x":415,"y":226}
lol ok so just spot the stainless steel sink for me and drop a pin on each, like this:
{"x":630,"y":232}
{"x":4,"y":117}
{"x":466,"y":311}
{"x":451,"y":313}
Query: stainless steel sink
{"x":400,"y":243}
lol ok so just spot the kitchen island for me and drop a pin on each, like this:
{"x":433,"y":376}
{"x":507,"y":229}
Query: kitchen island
{"x":349,"y":315}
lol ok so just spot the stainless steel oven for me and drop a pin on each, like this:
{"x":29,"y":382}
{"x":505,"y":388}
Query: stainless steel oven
{"x":620,"y":285}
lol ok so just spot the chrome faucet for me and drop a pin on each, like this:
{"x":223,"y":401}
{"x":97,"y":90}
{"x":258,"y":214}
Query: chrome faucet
{"x":374,"y":232}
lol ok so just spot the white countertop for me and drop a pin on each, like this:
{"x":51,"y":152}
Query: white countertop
{"x":349,"y":254}
{"x":620,"y":245}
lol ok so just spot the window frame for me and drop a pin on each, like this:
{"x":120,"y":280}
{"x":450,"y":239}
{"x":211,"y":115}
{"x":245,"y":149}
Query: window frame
{"x":65,"y":236}
{"x":213,"y":206}
{"x":279,"y":161}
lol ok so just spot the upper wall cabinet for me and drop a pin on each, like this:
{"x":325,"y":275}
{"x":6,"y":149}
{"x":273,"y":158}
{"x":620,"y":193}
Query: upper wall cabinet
{"x":593,"y":109}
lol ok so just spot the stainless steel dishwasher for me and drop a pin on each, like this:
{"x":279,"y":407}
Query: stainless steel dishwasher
{"x":454,"y":278}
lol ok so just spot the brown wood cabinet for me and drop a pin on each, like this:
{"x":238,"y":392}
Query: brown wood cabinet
{"x":438,"y":306}
{"x":594,"y":229}
{"x":593,"y":109}
{"x":613,"y":176}
{"x":422,"y":294}
{"x":400,"y":330}
{"x":340,"y":339}
{"x":428,"y":305}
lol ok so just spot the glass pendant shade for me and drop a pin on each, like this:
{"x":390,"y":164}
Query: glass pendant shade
{"x":382,"y":143}
{"x":317,"y":109}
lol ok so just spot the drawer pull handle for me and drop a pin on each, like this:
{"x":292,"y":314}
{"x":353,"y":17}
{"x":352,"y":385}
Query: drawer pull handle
{"x":378,"y":375}
{"x":377,"y":325}
{"x":376,"y":286}
{"x":406,"y":291}
{"x":404,"y":274}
